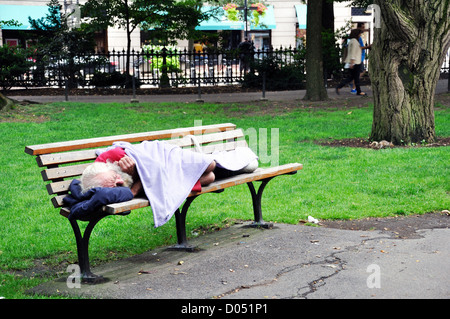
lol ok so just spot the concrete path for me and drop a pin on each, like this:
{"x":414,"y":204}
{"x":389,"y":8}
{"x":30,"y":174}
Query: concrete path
{"x":208,"y":98}
{"x":286,"y":262}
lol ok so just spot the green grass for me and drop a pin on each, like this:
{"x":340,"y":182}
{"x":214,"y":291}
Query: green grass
{"x":335,"y":183}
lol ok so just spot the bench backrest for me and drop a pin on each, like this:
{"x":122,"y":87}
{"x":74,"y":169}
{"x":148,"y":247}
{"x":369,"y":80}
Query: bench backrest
{"x":64,"y":161}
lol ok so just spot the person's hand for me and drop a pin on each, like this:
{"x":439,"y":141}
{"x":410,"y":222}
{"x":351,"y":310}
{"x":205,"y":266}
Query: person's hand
{"x":352,"y":63}
{"x":127,"y":165}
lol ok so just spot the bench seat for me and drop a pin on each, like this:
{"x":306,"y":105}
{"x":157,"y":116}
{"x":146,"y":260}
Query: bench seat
{"x":64,"y":161}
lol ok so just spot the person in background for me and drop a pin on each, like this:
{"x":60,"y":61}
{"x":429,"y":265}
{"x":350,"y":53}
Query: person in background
{"x":246,"y":51}
{"x":361,"y":26}
{"x":353,"y":62}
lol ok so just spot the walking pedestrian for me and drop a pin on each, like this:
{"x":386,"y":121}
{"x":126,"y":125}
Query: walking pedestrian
{"x":353,"y":62}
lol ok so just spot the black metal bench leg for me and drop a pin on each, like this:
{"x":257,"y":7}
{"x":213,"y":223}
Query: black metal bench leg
{"x":180,"y":220}
{"x":256,"y":199}
{"x":83,"y":251}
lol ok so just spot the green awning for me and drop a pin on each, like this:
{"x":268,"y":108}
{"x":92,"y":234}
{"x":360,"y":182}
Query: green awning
{"x":222,"y":23}
{"x":268,"y":21}
{"x":300,"y":9}
{"x":21,"y":13}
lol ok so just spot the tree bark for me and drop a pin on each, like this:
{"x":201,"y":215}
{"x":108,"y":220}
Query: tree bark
{"x":315,"y":88}
{"x":404,"y":66}
{"x":127,"y":68}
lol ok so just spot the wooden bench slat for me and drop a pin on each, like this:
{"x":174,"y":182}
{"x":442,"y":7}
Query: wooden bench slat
{"x":65,"y":158}
{"x":138,"y":137}
{"x":208,"y":138}
{"x":63,"y":172}
{"x":125,"y":206}
{"x":257,"y":175}
{"x":57,"y":201}
{"x":61,"y":187}
{"x":65,"y":212}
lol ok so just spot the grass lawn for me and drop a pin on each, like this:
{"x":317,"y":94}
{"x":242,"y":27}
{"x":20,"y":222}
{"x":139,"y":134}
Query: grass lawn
{"x":37,"y":244}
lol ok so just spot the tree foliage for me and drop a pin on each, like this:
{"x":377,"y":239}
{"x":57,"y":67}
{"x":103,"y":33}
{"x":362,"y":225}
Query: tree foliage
{"x":55,"y":37}
{"x":59,"y":43}
{"x":167,"y":19}
{"x":13,"y":64}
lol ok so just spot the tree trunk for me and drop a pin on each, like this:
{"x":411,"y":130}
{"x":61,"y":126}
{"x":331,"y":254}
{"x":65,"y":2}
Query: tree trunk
{"x":128,"y":58}
{"x":404,"y":66}
{"x":315,"y":88}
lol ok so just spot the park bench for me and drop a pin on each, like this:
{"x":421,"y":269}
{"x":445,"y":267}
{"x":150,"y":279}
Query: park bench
{"x":64,"y":161}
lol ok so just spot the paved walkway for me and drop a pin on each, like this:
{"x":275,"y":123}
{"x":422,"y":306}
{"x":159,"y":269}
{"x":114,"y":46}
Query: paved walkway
{"x":217,"y":97}
{"x":286,"y":262}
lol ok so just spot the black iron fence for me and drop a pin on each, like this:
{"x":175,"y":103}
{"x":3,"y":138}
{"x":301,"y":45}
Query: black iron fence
{"x":164,"y":67}
{"x":148,"y":68}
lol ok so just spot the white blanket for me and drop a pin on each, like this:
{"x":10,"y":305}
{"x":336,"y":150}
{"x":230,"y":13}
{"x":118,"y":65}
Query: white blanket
{"x":168,"y":173}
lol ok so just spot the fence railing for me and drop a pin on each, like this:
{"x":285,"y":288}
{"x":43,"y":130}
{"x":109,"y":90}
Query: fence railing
{"x":150,"y":68}
{"x":153,"y":68}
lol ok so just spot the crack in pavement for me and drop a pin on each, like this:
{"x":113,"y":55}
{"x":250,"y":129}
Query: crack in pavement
{"x":340,"y":266}
{"x":332,"y":261}
{"x":326,"y":262}
{"x":319,"y":282}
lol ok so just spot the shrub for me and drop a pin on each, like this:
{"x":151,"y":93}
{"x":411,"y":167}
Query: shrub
{"x":13,"y":64}
{"x":279,"y":74}
{"x":153,"y":55}
{"x":101,"y":79}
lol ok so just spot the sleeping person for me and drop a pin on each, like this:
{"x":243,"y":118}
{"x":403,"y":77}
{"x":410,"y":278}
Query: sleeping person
{"x":166,"y":174}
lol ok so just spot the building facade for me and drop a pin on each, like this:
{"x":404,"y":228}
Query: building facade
{"x":20,"y":10}
{"x":284,"y":22}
